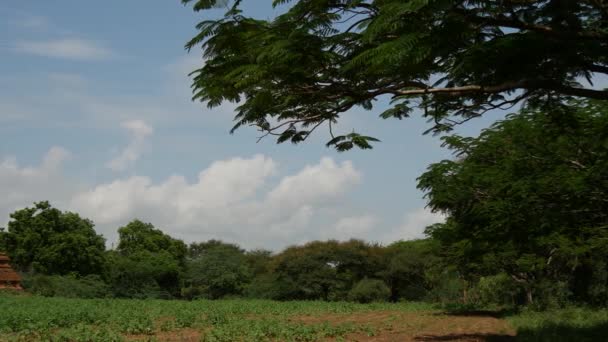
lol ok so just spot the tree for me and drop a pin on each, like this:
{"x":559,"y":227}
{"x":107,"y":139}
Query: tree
{"x":324,"y":270}
{"x":411,"y":268}
{"x":2,"y":239}
{"x":137,"y":236}
{"x":146,"y":263}
{"x":46,"y":240}
{"x":369,"y":290}
{"x":528,"y":196}
{"x":455,"y":59}
{"x":143,"y":274}
{"x":221,"y":270}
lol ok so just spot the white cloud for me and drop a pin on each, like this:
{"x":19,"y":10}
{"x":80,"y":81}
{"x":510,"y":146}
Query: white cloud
{"x":69,"y":48}
{"x":330,"y":180}
{"x":139,"y":131}
{"x":229,"y":200}
{"x":353,"y":227}
{"x":413,"y":225}
{"x":238,"y":200}
{"x":23,"y":185}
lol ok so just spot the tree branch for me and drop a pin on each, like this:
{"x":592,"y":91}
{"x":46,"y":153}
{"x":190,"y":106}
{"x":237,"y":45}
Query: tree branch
{"x":507,"y":86}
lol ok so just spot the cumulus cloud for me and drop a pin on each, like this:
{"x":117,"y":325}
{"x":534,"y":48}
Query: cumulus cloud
{"x":413,"y":225}
{"x":243,"y":200}
{"x":67,"y":48}
{"x":139,"y":131}
{"x":226,"y":201}
{"x":353,"y":227}
{"x":22,"y":185}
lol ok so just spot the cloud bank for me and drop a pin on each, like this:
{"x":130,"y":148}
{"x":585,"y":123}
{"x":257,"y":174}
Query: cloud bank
{"x":243,"y":200}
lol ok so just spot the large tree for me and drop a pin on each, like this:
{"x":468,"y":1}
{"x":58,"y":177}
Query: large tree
{"x":324,"y":270}
{"x":46,"y":240}
{"x":139,"y":236}
{"x":455,"y":59}
{"x":146,"y":263}
{"x":217,"y":269}
{"x":528,"y":197}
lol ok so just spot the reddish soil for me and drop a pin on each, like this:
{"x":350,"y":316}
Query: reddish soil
{"x":420,"y":326}
{"x":186,"y":335}
{"x":385,"y":326}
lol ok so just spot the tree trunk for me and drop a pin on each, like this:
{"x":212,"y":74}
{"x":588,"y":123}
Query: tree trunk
{"x":529,"y":296}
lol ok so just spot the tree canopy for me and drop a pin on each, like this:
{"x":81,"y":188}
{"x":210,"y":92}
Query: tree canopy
{"x":45,"y":239}
{"x":454,"y":59}
{"x":528,"y":196}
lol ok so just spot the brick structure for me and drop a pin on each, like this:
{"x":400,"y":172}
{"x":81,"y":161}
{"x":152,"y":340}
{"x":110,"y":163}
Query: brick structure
{"x":9,"y":279}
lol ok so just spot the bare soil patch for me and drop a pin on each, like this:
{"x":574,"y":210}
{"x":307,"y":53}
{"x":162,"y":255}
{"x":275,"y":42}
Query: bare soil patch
{"x":419,"y":326}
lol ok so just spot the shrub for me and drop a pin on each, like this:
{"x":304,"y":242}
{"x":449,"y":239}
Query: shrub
{"x":70,"y":286}
{"x":369,"y":290}
{"x":498,"y":289}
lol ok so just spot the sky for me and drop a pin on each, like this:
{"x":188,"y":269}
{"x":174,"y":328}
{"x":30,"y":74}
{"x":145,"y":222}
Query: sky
{"x":96,"y":117}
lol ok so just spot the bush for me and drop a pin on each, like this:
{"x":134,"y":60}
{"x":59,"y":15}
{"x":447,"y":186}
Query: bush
{"x":71,"y":286}
{"x":369,"y":290}
{"x":498,"y":289}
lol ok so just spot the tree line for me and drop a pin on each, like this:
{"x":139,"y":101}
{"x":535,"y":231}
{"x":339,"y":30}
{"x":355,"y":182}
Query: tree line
{"x":60,"y":254}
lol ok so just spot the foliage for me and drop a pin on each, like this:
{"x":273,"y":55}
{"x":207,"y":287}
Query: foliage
{"x":138,"y":236}
{"x":46,"y":240}
{"x":324,"y":270}
{"x":217,"y":271}
{"x":527,"y":197}
{"x":143,"y":275}
{"x":147,"y":263}
{"x":452,"y":58}
{"x":69,"y":286}
{"x":499,"y":289}
{"x":369,"y":290}
{"x":412,"y":268}
{"x":568,"y":324}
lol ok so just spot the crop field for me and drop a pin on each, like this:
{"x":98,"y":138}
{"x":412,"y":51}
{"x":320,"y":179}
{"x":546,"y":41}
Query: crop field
{"x":31,"y":318}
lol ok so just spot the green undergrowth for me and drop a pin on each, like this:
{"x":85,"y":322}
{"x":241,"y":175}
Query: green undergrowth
{"x":561,"y":325}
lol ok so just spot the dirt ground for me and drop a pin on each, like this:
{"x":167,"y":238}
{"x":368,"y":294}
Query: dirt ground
{"x":395,"y":326}
{"x":423,"y":326}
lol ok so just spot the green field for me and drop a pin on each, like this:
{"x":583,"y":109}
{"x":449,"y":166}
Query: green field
{"x":31,"y":318}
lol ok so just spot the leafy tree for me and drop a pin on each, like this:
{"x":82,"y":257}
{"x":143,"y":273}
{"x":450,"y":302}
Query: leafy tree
{"x":143,"y":274}
{"x":455,"y":59}
{"x":137,"y":236}
{"x":3,"y":239}
{"x":528,"y":196}
{"x":221,"y":270}
{"x":146,"y":263}
{"x":324,"y":269}
{"x":259,"y":261}
{"x":412,"y":268}
{"x":46,"y":240}
{"x":369,"y":290}
{"x":198,"y":249}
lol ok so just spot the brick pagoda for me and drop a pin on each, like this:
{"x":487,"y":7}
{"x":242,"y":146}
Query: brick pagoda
{"x":9,"y":279}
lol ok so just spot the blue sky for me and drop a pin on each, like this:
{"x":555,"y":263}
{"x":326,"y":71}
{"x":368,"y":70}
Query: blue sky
{"x":96,"y":117}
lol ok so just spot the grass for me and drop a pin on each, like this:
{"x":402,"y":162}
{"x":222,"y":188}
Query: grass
{"x":568,"y":324}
